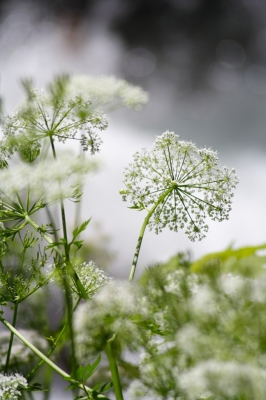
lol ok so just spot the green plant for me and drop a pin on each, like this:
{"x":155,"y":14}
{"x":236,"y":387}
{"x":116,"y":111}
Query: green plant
{"x":102,"y":321}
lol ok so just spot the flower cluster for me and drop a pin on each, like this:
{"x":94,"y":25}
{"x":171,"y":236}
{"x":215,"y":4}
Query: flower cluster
{"x":9,"y":386}
{"x":51,"y":115}
{"x":185,"y":184}
{"x":48,"y":180}
{"x":91,"y":277}
{"x":107,"y":92}
{"x":229,"y":380}
{"x":110,"y":313}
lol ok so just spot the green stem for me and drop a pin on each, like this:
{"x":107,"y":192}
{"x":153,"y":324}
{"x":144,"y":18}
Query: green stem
{"x":142,"y":231}
{"x":65,"y":282}
{"x":61,"y":372}
{"x":53,"y":346}
{"x":114,"y":370}
{"x":11,"y":337}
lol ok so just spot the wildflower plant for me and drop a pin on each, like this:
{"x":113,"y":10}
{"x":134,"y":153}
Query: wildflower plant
{"x":102,"y":323}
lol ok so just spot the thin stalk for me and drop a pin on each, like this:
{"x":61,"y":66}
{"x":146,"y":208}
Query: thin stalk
{"x":114,"y":370}
{"x":53,"y":346}
{"x":61,"y":372}
{"x":11,"y":337}
{"x":65,"y":282}
{"x":142,"y":231}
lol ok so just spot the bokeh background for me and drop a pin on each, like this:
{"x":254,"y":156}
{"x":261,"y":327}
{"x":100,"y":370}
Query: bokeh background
{"x":203,"y":63}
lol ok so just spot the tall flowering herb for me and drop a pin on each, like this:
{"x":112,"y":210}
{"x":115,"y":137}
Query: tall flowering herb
{"x":70,"y":108}
{"x":179,"y":186}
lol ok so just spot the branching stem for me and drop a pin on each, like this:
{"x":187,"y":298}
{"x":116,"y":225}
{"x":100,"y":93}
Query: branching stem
{"x":66,"y":269}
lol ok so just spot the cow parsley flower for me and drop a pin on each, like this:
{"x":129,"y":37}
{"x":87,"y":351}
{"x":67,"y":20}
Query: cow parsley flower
{"x":179,"y":185}
{"x":10,"y":385}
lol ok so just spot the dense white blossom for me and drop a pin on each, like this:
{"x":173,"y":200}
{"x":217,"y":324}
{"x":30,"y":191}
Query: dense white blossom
{"x":48,"y":179}
{"x":91,"y":277}
{"x":106,"y":92}
{"x":110,"y":312}
{"x":224,"y":380}
{"x":9,"y":386}
{"x":186,"y":183}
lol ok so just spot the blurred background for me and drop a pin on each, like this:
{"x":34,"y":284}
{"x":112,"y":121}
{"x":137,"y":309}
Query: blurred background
{"x":203,"y":63}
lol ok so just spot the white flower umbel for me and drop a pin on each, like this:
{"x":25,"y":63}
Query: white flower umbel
{"x":180,"y":186}
{"x":54,"y":115}
{"x":107,"y":92}
{"x":9,"y":385}
{"x":48,"y":180}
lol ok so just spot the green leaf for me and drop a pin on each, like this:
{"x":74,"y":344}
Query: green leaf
{"x":105,"y":386}
{"x":78,"y":243}
{"x":84,"y":372}
{"x":80,"y":229}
